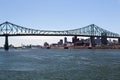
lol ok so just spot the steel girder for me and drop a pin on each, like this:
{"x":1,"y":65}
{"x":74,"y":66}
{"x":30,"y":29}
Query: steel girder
{"x":90,"y":30}
{"x":93,"y":30}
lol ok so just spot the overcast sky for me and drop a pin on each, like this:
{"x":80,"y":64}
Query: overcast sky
{"x":58,"y":15}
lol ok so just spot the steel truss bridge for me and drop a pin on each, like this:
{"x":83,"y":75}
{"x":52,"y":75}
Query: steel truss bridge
{"x":10,"y":29}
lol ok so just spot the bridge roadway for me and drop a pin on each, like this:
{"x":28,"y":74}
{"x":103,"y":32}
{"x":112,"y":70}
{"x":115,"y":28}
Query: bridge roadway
{"x":9,"y":29}
{"x":55,"y":35}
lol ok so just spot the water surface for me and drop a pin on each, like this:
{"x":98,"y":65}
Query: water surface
{"x":60,"y":64}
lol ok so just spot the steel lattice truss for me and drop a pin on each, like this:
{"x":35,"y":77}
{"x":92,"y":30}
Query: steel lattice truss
{"x":11,"y":29}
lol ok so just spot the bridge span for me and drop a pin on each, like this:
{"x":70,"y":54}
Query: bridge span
{"x":9,"y":29}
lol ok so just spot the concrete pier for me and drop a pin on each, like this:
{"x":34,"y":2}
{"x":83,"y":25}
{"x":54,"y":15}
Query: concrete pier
{"x":6,"y":46}
{"x":118,"y":40}
{"x":92,"y":38}
{"x":104,"y":38}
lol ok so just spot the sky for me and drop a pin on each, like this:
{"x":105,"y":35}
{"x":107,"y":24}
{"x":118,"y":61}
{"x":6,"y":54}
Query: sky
{"x":58,"y":15}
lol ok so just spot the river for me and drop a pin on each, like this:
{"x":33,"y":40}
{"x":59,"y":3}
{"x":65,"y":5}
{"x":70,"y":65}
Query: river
{"x":60,"y":64}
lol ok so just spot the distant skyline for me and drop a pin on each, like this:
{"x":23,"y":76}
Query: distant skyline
{"x":58,"y":15}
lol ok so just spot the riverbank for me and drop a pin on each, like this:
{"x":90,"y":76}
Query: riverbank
{"x":87,"y":47}
{"x":70,"y":47}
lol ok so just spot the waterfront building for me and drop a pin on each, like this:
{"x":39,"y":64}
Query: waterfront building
{"x":75,"y":39}
{"x":46,"y":44}
{"x":98,"y":41}
{"x":60,"y":42}
{"x":65,"y":39}
{"x":54,"y":45}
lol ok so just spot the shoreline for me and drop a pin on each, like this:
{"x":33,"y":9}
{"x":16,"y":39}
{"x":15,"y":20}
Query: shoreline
{"x":70,"y":47}
{"x":87,"y":47}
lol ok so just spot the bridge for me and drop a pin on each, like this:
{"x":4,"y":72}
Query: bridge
{"x":92,"y":31}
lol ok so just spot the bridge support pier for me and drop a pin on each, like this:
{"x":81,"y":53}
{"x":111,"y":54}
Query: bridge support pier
{"x":6,"y":46}
{"x":92,"y":39}
{"x":104,"y":39}
{"x":118,"y":40}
